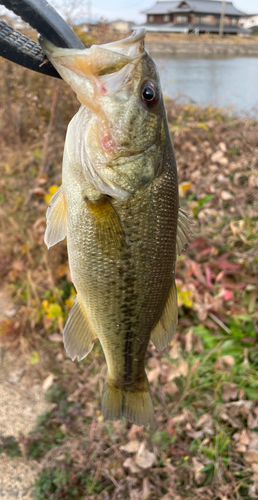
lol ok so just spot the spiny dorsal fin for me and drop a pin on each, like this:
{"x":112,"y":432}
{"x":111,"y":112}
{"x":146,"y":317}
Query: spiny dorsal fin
{"x":183,"y":229}
{"x":165,"y":329}
{"x":56,"y":219}
{"x":78,"y":335}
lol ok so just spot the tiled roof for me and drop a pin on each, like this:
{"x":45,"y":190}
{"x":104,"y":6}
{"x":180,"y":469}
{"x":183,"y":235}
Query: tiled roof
{"x":161,"y":8}
{"x":198,"y":6}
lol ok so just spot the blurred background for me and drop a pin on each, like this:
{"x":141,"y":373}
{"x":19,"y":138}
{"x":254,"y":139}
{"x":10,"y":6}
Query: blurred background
{"x":54,"y":442}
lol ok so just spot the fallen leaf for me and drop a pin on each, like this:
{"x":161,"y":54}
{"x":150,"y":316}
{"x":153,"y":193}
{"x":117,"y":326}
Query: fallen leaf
{"x":55,"y":337}
{"x":145,"y":458}
{"x":74,"y":397}
{"x":229,"y":392}
{"x":131,"y":447}
{"x":198,"y":475}
{"x":253,"y":440}
{"x":189,"y":340}
{"x":252,"y":421}
{"x":145,"y":488}
{"x":223,"y":162}
{"x":226,"y":196}
{"x":241,"y":448}
{"x":217,"y":156}
{"x":153,"y":375}
{"x":251,"y":456}
{"x":40,"y":192}
{"x":135,"y":431}
{"x":62,"y":270}
{"x":178,"y":419}
{"x":235,"y":422}
{"x":174,"y":352}
{"x":205,"y":423}
{"x":48,"y":382}
{"x":177,"y":371}
{"x":223,"y":147}
{"x":244,"y":437}
{"x":223,"y":363}
{"x":63,"y":428}
{"x":130,"y":464}
{"x":252,"y":493}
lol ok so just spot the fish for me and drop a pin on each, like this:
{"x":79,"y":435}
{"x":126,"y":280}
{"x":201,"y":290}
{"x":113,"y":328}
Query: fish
{"x":118,"y":207}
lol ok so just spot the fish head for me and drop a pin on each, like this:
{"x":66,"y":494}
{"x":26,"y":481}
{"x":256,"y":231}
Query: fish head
{"x":119,"y":83}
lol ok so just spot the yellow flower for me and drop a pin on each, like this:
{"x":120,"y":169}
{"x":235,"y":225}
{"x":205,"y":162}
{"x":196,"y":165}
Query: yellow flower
{"x":69,"y":302}
{"x":50,"y":193}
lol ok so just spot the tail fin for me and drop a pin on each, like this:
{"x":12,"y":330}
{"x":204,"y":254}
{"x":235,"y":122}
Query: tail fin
{"x":135,"y":406}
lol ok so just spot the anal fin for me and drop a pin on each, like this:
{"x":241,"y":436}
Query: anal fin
{"x":165,"y":329}
{"x":78,"y":335}
{"x":56,"y":219}
{"x":110,"y":235}
{"x":183,"y":230}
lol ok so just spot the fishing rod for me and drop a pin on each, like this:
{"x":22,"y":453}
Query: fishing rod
{"x":41,"y":16}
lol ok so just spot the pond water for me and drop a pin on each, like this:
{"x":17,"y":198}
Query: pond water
{"x":228,"y":82}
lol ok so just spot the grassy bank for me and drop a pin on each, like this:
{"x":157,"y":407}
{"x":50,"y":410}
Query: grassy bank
{"x":204,"y":386}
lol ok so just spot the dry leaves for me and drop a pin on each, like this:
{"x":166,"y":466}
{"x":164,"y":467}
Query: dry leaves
{"x":143,"y":459}
{"x":199,"y":476}
{"x":131,"y":446}
{"x":229,"y":392}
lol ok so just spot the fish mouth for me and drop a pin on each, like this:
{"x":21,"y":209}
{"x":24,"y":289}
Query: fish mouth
{"x":100,"y":70}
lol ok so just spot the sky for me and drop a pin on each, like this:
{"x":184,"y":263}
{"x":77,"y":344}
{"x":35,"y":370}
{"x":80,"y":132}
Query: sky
{"x":132,"y":8}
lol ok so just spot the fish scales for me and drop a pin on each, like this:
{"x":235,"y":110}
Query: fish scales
{"x":126,"y":295}
{"x":118,"y":207}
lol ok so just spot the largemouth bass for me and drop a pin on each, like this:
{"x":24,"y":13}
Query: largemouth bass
{"x":118,"y":207}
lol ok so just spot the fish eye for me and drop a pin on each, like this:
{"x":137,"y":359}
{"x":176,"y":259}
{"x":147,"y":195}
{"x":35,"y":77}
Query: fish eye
{"x":150,"y":94}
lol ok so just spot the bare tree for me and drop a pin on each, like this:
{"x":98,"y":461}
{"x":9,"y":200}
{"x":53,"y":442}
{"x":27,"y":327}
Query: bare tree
{"x":71,"y":10}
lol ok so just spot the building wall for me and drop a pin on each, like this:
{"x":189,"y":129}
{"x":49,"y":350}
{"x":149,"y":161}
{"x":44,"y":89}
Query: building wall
{"x":248,"y":22}
{"x":192,"y":18}
{"x":155,"y":18}
{"x":179,"y":18}
{"x":120,"y":26}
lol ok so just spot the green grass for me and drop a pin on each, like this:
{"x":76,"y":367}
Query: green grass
{"x":60,"y":482}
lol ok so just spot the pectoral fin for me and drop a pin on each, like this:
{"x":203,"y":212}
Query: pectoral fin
{"x":183,"y":229}
{"x":165,"y":329}
{"x":78,"y":335}
{"x":56,"y":219}
{"x":110,"y":235}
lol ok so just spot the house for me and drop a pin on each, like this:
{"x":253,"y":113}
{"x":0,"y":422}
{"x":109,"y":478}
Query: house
{"x":193,"y":16}
{"x":122,"y":25}
{"x":249,"y":22}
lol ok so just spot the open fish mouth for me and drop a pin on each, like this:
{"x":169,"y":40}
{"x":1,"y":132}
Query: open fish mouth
{"x":100,"y":70}
{"x":108,"y":80}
